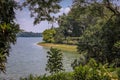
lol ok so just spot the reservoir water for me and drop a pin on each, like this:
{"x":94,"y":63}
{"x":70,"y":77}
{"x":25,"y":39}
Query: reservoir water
{"x":26,"y":58}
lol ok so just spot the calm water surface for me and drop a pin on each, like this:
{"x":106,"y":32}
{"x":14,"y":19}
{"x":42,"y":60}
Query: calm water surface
{"x":28,"y":58}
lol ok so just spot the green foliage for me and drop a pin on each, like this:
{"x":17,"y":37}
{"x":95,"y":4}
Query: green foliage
{"x":7,"y":14}
{"x":31,"y":77}
{"x":91,"y":43}
{"x":80,"y":73}
{"x":54,"y":64}
{"x":92,"y":71}
{"x":81,"y":61}
{"x":58,"y":76}
{"x":58,"y":36}
{"x":7,"y":36}
{"x":48,"y":35}
{"x":99,"y":42}
{"x":69,"y":26}
{"x":61,"y":76}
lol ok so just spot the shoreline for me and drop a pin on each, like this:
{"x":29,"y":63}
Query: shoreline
{"x":62,"y":47}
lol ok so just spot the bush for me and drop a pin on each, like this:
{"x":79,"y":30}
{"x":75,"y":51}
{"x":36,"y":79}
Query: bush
{"x":58,"y":76}
{"x":91,"y":71}
{"x":61,"y":76}
{"x":80,"y":73}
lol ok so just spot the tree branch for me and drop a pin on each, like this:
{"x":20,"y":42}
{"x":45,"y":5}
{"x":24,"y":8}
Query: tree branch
{"x":111,"y":8}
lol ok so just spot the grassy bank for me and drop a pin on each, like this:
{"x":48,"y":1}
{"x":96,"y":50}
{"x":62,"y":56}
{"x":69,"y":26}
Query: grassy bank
{"x":63,"y":47}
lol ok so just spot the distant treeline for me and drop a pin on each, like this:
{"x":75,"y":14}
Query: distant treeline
{"x":29,"y":34}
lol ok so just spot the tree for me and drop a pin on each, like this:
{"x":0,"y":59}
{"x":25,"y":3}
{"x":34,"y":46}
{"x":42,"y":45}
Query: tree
{"x":8,"y":29}
{"x":48,"y":35}
{"x":58,"y":36}
{"x":70,"y":27}
{"x":54,"y":64}
{"x":64,"y":26}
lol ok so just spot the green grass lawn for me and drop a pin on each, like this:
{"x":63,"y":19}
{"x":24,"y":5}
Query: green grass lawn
{"x":63,"y":47}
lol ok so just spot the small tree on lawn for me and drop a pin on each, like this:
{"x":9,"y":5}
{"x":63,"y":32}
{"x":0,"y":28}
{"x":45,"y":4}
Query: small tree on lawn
{"x":54,"y":64}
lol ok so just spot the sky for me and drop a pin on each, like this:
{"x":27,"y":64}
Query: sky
{"x":26,"y":22}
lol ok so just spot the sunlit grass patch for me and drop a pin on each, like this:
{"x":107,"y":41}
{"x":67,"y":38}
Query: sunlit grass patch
{"x":63,"y":47}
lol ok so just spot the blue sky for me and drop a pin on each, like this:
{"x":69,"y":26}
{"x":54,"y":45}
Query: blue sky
{"x":26,"y":22}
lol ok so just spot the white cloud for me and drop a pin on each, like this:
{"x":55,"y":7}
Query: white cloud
{"x":17,"y":0}
{"x":63,"y":10}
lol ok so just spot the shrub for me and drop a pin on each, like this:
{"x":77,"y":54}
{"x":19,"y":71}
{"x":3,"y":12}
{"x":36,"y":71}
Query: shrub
{"x":58,"y":76}
{"x":91,"y":71}
{"x":61,"y":76}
